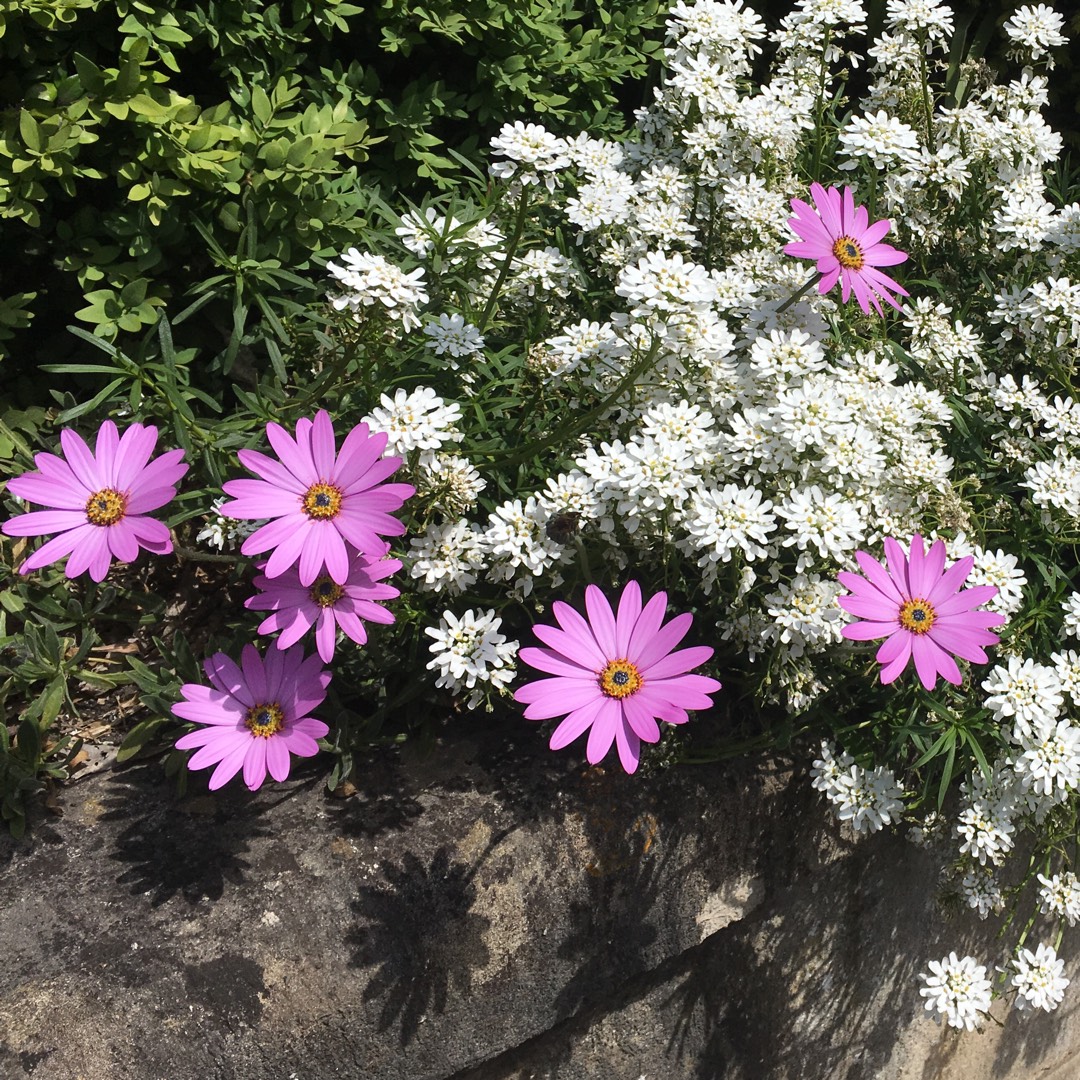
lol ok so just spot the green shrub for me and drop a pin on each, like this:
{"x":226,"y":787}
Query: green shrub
{"x":151,"y":155}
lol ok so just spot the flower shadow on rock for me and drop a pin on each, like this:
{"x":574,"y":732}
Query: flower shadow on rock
{"x":189,"y":848}
{"x":420,"y":938}
{"x":820,"y":979}
{"x":614,"y":928}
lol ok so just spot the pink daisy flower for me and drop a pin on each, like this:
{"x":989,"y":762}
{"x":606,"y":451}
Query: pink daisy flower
{"x":838,"y":235}
{"x":325,"y":604}
{"x":923,"y":613}
{"x":100,"y":500}
{"x":256,"y":714}
{"x":319,"y":498}
{"x":615,"y":674}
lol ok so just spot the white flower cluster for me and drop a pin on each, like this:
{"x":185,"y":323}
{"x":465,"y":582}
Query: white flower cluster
{"x":368,"y":279}
{"x":470,"y":654}
{"x":1038,"y":980}
{"x":869,"y":799}
{"x":956,"y":990}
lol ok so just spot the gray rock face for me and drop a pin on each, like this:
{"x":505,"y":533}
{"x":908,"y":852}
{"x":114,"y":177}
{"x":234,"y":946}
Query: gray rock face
{"x":495,"y":912}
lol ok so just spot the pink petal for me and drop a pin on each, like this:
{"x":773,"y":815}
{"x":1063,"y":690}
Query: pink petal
{"x":892,"y":668}
{"x":885,"y":255}
{"x":353,"y":627}
{"x":576,"y":724}
{"x":57,"y":548}
{"x":92,"y":555}
{"x":122,"y":541}
{"x":664,"y":641}
{"x":556,"y":697}
{"x":323,"y":446}
{"x":898,"y":567}
{"x":294,"y":455}
{"x":585,"y":648}
{"x":105,"y":452}
{"x":272,"y":472}
{"x":649,"y":622}
{"x":602,"y":734}
{"x":255,"y":764}
{"x":288,"y":549}
{"x":629,"y":747}
{"x":134,"y":452}
{"x":224,"y":745}
{"x":876,"y":609}
{"x":676,"y":663}
{"x":602,"y":621}
{"x":277,"y":757}
{"x":39,"y":522}
{"x":629,"y":610}
{"x":553,"y":661}
{"x":49,"y":491}
{"x":260,"y":499}
{"x":641,"y":719}
{"x":81,"y":460}
{"x":869,"y":630}
{"x":950,"y":582}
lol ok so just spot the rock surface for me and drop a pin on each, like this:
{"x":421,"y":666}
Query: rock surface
{"x":494,"y":912}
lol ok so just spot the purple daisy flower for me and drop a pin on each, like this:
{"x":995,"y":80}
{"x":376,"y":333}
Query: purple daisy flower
{"x":615,"y":674}
{"x":100,"y":500}
{"x":923,"y":613}
{"x":319,"y":499}
{"x":848,"y":249}
{"x":325,"y":604}
{"x":256,"y":714}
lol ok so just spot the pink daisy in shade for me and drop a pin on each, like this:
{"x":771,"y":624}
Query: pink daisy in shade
{"x":921,"y":610}
{"x":325,"y":604}
{"x":320,"y":500}
{"x":100,"y":500}
{"x":255,"y":714}
{"x":615,"y":674}
{"x":838,"y":235}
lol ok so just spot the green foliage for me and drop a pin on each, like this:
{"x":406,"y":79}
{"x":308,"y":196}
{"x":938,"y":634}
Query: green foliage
{"x":149,"y":154}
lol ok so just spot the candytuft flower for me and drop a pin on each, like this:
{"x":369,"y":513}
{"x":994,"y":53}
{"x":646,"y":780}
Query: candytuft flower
{"x":325,"y":604}
{"x":923,"y":613}
{"x":847,"y":248}
{"x":615,"y":674}
{"x":320,"y":499}
{"x":256,"y":714}
{"x":100,"y":500}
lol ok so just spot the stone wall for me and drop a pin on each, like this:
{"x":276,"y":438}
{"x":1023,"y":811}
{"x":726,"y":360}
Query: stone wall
{"x":494,"y":912}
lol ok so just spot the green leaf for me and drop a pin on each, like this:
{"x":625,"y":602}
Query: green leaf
{"x":30,"y":132}
{"x":139,"y":736}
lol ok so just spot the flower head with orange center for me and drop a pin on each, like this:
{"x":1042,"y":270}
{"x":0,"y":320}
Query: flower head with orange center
{"x":322,"y":502}
{"x":254,"y":714}
{"x":100,"y":500}
{"x":921,"y":609}
{"x":325,"y":604}
{"x":615,"y":674}
{"x":838,"y":235}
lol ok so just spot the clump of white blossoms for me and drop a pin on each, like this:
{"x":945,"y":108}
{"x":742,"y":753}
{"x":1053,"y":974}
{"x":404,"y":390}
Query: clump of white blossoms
{"x":448,"y":557}
{"x":453,"y":336}
{"x":1039,"y":980}
{"x":470,"y":654}
{"x":1060,"y":895}
{"x":415,"y":420}
{"x":367,"y":279}
{"x":956,"y":990}
{"x":869,"y":799}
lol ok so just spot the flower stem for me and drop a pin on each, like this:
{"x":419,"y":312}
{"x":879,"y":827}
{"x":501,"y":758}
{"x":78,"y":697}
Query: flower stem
{"x":511,"y":250}
{"x":802,"y":291}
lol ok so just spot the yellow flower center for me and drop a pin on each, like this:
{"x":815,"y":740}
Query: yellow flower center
{"x":106,"y":507}
{"x":620,"y":679}
{"x":917,"y":616}
{"x":849,"y":253}
{"x":322,"y":501}
{"x":325,"y":591}
{"x":264,"y":720}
